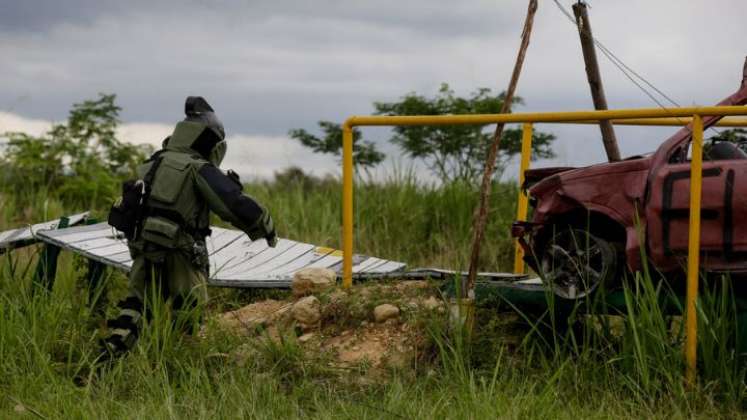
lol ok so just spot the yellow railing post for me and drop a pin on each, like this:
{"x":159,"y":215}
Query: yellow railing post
{"x":693,"y":249}
{"x":523,"y":201}
{"x":347,"y":206}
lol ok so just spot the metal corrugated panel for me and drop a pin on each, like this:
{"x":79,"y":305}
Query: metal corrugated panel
{"x":235,"y":260}
{"x":23,"y":236}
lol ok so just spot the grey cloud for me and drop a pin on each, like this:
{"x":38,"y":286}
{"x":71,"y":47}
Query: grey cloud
{"x":33,"y":16}
{"x":440,"y":18}
{"x":265,"y":67}
{"x":268,"y":66}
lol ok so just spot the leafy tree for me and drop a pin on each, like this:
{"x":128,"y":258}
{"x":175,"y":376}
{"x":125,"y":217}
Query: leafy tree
{"x":364,"y":152}
{"x":458,"y":152}
{"x":294,"y":176}
{"x":734,"y":135}
{"x":80,"y":160}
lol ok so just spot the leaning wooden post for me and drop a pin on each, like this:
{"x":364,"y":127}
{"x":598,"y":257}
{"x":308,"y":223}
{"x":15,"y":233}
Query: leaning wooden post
{"x":481,"y":212}
{"x":595,"y":80}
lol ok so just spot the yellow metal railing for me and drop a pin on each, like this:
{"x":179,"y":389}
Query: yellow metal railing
{"x":522,"y":206}
{"x":644,"y":116}
{"x":664,"y":122}
{"x":693,"y":246}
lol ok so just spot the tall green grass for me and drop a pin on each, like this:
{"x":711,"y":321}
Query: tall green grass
{"x":624,"y":366}
{"x":399,"y":218}
{"x":47,"y":344}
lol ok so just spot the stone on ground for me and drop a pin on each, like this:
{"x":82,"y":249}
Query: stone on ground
{"x":307,"y":311}
{"x":385,"y":312}
{"x":311,"y":280}
{"x":433,"y":304}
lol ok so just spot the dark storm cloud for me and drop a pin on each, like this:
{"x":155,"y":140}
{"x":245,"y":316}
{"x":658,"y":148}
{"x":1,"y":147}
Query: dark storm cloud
{"x":39,"y":15}
{"x":445,"y":19}
{"x":259,"y":61}
{"x":269,"y":66}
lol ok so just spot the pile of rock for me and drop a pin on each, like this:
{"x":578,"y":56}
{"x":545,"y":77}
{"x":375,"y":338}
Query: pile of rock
{"x":305,"y":310}
{"x":368,"y":325}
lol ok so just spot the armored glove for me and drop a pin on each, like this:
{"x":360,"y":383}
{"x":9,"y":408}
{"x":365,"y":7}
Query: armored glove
{"x":272,"y":239}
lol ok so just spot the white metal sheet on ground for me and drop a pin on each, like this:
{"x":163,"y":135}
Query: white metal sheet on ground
{"x":84,"y":234}
{"x":277,"y":264}
{"x":306,"y":260}
{"x":15,"y":237}
{"x":121,"y":258}
{"x":235,"y":260}
{"x":366,"y":265}
{"x":222,"y":238}
{"x":258,"y":257}
{"x":234,"y":253}
{"x":442,"y":274}
{"x":326,"y":259}
{"x":111,"y":249}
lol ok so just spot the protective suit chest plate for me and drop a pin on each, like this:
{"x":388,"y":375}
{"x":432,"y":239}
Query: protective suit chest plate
{"x":170,"y":180}
{"x":173,"y":191}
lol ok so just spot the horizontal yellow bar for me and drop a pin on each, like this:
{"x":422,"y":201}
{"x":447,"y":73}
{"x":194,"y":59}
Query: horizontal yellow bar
{"x":540,"y":117}
{"x":666,"y":122}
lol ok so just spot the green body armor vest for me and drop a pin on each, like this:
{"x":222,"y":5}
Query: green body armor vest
{"x":176,"y":215}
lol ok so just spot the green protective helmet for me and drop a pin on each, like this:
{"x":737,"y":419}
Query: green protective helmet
{"x":201,"y":131}
{"x":198,"y":110}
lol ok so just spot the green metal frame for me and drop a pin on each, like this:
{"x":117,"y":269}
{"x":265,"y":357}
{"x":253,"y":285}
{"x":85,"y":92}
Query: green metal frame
{"x":46,"y":268}
{"x":535,"y":300}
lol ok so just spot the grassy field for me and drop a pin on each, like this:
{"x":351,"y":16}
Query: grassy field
{"x":631,"y":369}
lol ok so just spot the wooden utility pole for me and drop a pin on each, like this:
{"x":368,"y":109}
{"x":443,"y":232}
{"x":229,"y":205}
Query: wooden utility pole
{"x":481,"y":212}
{"x":595,"y":79}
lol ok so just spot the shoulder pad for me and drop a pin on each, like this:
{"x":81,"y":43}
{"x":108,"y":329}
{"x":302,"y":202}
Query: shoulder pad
{"x":186,"y":159}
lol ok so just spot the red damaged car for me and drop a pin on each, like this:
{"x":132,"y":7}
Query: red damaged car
{"x":590,"y":224}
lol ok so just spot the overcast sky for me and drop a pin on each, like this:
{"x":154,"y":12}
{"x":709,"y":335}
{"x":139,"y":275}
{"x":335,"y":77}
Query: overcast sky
{"x":269,"y":66}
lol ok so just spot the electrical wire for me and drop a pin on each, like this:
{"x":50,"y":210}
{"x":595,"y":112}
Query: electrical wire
{"x":617,"y":62}
{"x":629,"y":72}
{"x":626,"y":70}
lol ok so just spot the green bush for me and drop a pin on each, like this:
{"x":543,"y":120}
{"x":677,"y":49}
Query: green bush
{"x":79,"y":161}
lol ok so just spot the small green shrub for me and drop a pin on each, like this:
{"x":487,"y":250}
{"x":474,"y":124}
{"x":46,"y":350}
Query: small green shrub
{"x":79,"y":161}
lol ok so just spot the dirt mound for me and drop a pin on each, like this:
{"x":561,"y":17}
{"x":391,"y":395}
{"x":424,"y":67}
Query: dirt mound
{"x":347,"y":334}
{"x":374,"y":345}
{"x":248,"y":319}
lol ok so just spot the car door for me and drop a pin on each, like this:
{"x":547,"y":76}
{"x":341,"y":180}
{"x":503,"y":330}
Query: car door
{"x":723,"y":214}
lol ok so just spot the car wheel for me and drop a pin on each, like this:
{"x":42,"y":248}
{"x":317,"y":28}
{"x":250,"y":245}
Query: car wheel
{"x":575,"y":262}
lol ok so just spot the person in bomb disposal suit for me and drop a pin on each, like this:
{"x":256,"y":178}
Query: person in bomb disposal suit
{"x":165,"y":216}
